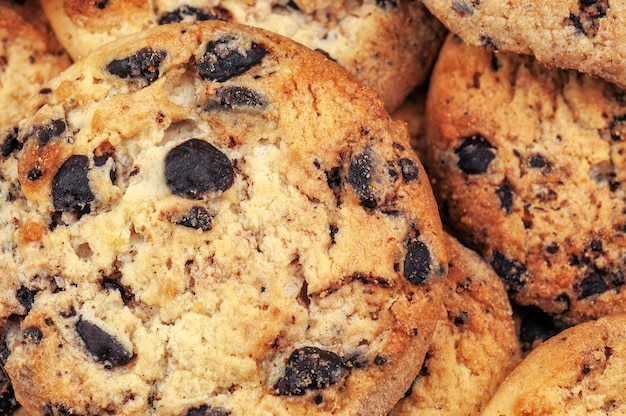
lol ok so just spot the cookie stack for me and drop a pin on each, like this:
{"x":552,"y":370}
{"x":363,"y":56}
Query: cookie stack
{"x":209,"y":210}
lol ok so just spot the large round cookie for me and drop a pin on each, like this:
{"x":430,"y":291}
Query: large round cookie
{"x":213,"y":219}
{"x":581,"y":371}
{"x":388,"y":45}
{"x":30,"y":55}
{"x":528,"y":165}
{"x":586,"y":35}
{"x":475,"y":345}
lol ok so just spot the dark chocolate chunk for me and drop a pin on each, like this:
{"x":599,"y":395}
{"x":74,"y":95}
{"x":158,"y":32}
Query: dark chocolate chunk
{"x":538,"y":161}
{"x":224,"y":59}
{"x":237,"y":96}
{"x":143,"y":64}
{"x":360,"y":177}
{"x":102,"y":345}
{"x":102,"y":4}
{"x":380,"y":360}
{"x":188,"y":13}
{"x":511,"y":272}
{"x":195,"y":168}
{"x":552,"y":248}
{"x":112,"y":283}
{"x":206,"y":410}
{"x":592,"y":285}
{"x":505,"y":194}
{"x":475,"y":154}
{"x":488,"y":43}
{"x":417,"y":262}
{"x":34,"y":174}
{"x":409,"y":170}
{"x":462,"y":8}
{"x":11,"y":143}
{"x":617,"y":127}
{"x":335,"y":183}
{"x":26,"y":297}
{"x":310,"y":368}
{"x":198,"y":218}
{"x":70,"y":186}
{"x":33,"y":335}
{"x":574,"y":20}
{"x":461,"y":318}
{"x":49,"y":131}
{"x":8,"y":403}
{"x":57,"y":410}
{"x":387,"y":4}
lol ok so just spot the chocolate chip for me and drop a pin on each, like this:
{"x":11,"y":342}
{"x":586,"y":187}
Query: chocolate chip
{"x":102,"y":4}
{"x":409,"y":170}
{"x":26,"y":297}
{"x":33,"y":335}
{"x":333,"y":232}
{"x":104,"y":346}
{"x":475,"y":154}
{"x":511,"y":271}
{"x":461,"y":318}
{"x":34,"y":174}
{"x":11,"y":142}
{"x":143,"y":64}
{"x":360,"y":176}
{"x":552,"y":248}
{"x":237,"y":96}
{"x":195,"y":168}
{"x":8,"y":403}
{"x":538,"y":161}
{"x":47,"y":132}
{"x":310,"y":368}
{"x":189,"y":13}
{"x":387,"y":4}
{"x":462,"y":8}
{"x":224,"y":59}
{"x":591,"y":285}
{"x":380,"y":360}
{"x":70,"y":186}
{"x":505,"y":194}
{"x":575,"y":21}
{"x":417,"y":262}
{"x":112,"y":283}
{"x":488,"y":43}
{"x":206,"y":410}
{"x":335,"y":183}
{"x":617,"y":127}
{"x":198,"y":218}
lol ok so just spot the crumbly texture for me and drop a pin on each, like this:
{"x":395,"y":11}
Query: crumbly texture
{"x":475,"y":345}
{"x":388,"y":45}
{"x":212,"y":219}
{"x":585,"y":35}
{"x":30,"y":55}
{"x":528,"y":165}
{"x":581,"y":371}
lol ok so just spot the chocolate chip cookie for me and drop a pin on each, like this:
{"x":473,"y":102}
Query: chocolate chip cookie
{"x":578,"y":372}
{"x":475,"y":345}
{"x":585,"y":35}
{"x":30,"y":55}
{"x":388,"y":45}
{"x":207,"y":218}
{"x":528,"y":164}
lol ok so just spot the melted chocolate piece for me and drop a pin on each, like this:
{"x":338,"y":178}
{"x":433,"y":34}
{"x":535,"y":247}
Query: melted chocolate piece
{"x":310,"y":368}
{"x":103,"y":346}
{"x":475,"y":155}
{"x":224,"y":59}
{"x":196,"y":168}
{"x":206,"y":410}
{"x":198,"y":218}
{"x":417,"y":263}
{"x":143,"y":64}
{"x":70,"y":188}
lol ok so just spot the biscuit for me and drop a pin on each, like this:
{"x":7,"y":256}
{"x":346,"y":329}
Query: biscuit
{"x":30,"y":55}
{"x":475,"y":344}
{"x":528,"y":165}
{"x":213,"y":219}
{"x":581,"y":371}
{"x":388,"y":45}
{"x":585,"y":35}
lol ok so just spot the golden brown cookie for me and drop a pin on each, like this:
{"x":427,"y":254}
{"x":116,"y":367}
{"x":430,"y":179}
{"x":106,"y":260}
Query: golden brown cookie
{"x":213,"y":219}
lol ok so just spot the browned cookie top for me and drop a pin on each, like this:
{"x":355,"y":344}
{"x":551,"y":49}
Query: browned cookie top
{"x":209,"y":218}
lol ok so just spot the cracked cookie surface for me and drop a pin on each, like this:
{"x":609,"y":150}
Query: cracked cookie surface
{"x":387,"y":45}
{"x":528,"y":165}
{"x":585,"y":35}
{"x":212,"y":219}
